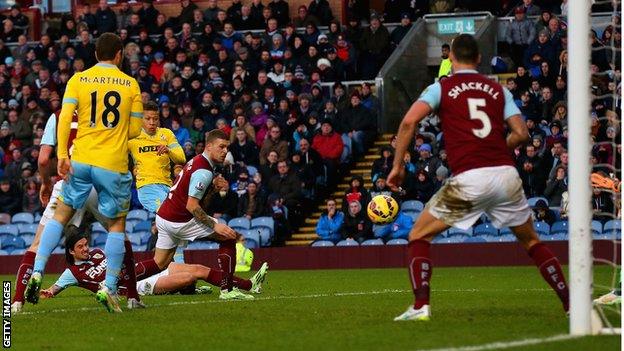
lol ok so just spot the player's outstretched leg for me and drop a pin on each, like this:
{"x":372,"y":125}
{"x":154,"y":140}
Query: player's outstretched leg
{"x":258,"y":278}
{"x":23,"y":276}
{"x":227,"y":263}
{"x":420,"y":268}
{"x":545,"y":260}
{"x":114,"y":250}
{"x":133,"y":297}
{"x":50,"y":238}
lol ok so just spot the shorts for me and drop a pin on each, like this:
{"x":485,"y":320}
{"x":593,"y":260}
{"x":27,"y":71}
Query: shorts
{"x":90,"y":205}
{"x":152,"y":195}
{"x":146,"y":286}
{"x":113,"y":189}
{"x":495,"y":191}
{"x":172,"y":234}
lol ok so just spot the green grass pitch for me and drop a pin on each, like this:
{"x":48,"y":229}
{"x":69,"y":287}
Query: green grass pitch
{"x":314,"y":310}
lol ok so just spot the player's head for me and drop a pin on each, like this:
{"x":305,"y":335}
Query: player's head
{"x":109,"y":47}
{"x":76,"y":246}
{"x":465,"y":51}
{"x":151,"y":119}
{"x":217,"y":145}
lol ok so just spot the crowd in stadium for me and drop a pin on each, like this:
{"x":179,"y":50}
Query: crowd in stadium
{"x":248,"y":71}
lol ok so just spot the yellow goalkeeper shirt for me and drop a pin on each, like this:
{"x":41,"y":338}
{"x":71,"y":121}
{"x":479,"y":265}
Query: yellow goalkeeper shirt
{"x":110,"y":112}
{"x":150,"y":167}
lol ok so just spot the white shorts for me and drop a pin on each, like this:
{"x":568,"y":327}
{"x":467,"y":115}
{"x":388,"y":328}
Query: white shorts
{"x":173,"y":234}
{"x":146,"y":286}
{"x":495,"y":191}
{"x":91,"y":205}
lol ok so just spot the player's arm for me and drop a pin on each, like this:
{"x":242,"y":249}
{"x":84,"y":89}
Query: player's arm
{"x":45,"y":155}
{"x":200,"y":180}
{"x":70,"y":104}
{"x":136,"y":112}
{"x":176,"y":153}
{"x":426,"y":103}
{"x":65,"y":280}
{"x":519,"y":133}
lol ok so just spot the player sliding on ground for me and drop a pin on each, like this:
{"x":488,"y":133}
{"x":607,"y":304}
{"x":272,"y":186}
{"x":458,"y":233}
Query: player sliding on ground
{"x":474,"y":111}
{"x":86,"y":270}
{"x":181,"y":217}
{"x":109,"y":108}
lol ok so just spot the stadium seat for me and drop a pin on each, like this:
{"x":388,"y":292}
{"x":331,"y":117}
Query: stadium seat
{"x":136,"y":216}
{"x":4,"y":253}
{"x":484,"y":218}
{"x":13,"y":243}
{"x":142,"y":226}
{"x":260,"y":222}
{"x":347,"y":243}
{"x":99,"y":240}
{"x":542,"y":228}
{"x":475,"y":239}
{"x":397,"y":242}
{"x":505,"y":231}
{"x":412,"y":205}
{"x":456,"y":231}
{"x":559,"y":237}
{"x":151,"y":216}
{"x":485,"y":229}
{"x":612,"y":229}
{"x":28,"y":238}
{"x":59,"y":250}
{"x":560,"y":227}
{"x":135,"y":239}
{"x":378,"y":230}
{"x":18,"y":252}
{"x":145,"y":236}
{"x":507,"y":238}
{"x":373,"y":242}
{"x":596,"y":227}
{"x":221,"y":220}
{"x":9,"y":229}
{"x":139,"y":248}
{"x":5,"y":218}
{"x":265,"y":235}
{"x":37,"y":217}
{"x":202,"y":245}
{"x":532,"y":201}
{"x":98,"y":228}
{"x":412,"y":213}
{"x":322,"y":243}
{"x":23,"y":218}
{"x":491,"y":238}
{"x":252,"y":238}
{"x":239,"y":223}
{"x":27,"y":228}
{"x":129,"y":227}
{"x":455,"y":239}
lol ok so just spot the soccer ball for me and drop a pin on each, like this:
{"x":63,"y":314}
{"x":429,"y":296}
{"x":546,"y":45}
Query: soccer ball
{"x":382,"y":209}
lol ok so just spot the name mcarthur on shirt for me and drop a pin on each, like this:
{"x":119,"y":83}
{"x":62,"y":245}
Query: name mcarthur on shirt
{"x":106,"y":80}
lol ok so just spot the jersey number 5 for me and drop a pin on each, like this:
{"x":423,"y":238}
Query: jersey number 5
{"x":475,"y":113}
{"x":109,"y":109}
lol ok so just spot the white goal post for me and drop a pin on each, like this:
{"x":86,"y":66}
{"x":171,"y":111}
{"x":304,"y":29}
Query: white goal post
{"x":579,"y":189}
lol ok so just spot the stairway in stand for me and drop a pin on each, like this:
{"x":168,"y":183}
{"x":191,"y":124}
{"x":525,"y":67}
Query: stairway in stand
{"x":306,"y":234}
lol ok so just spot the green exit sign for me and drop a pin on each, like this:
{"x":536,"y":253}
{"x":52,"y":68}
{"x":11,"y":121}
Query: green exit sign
{"x":456,"y":26}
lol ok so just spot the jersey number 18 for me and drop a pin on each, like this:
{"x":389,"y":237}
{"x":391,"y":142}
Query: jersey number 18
{"x":109,"y":108}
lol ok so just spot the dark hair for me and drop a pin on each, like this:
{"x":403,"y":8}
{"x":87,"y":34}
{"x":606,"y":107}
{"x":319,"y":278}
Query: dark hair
{"x":107,"y":46}
{"x":150,"y":106}
{"x":465,"y":48}
{"x":72,"y":236}
{"x":446,"y":46}
{"x":216,"y":134}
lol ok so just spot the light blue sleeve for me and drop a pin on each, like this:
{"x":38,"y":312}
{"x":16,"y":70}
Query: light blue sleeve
{"x":511,"y":109}
{"x":49,"y":133}
{"x":66,"y":279}
{"x":200,"y":180}
{"x":432,"y":95}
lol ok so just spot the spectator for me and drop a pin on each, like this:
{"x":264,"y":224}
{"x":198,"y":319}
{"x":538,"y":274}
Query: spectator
{"x":374,"y":43}
{"x":355,"y":192}
{"x":244,"y":151}
{"x":251,"y":204}
{"x":187,"y":12}
{"x":149,"y":16}
{"x":242,"y":124}
{"x":329,"y":226}
{"x":321,"y":10}
{"x":399,"y":32}
{"x":224,"y":203}
{"x":105,"y":19}
{"x":541,"y":213}
{"x":17,"y":17}
{"x":519,"y":35}
{"x":124,"y":14}
{"x":356,"y":226}
{"x":602,"y":205}
{"x":532,"y":171}
{"x":380,"y":187}
{"x":9,"y":198}
{"x":30,"y":200}
{"x":359,"y":125}
{"x":304,"y":19}
{"x":181,"y":133}
{"x":539,"y":50}
{"x":87,"y":17}
{"x":556,"y":186}
{"x":10,"y":34}
{"x":280,"y":10}
{"x":288,"y":187}
{"x":269,"y":168}
{"x":398,"y":229}
{"x":274,"y":143}
{"x":306,"y":176}
{"x":20,"y":129}
{"x":530,"y":9}
{"x":279,"y":213}
{"x":383,"y":165}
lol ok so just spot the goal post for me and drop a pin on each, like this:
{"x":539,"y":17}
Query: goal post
{"x":579,"y":148}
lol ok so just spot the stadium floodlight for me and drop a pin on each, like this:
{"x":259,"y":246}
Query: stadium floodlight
{"x":580,"y":209}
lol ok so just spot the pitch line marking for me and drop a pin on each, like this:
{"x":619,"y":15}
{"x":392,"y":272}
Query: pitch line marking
{"x":509,"y":344}
{"x":281,"y":297}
